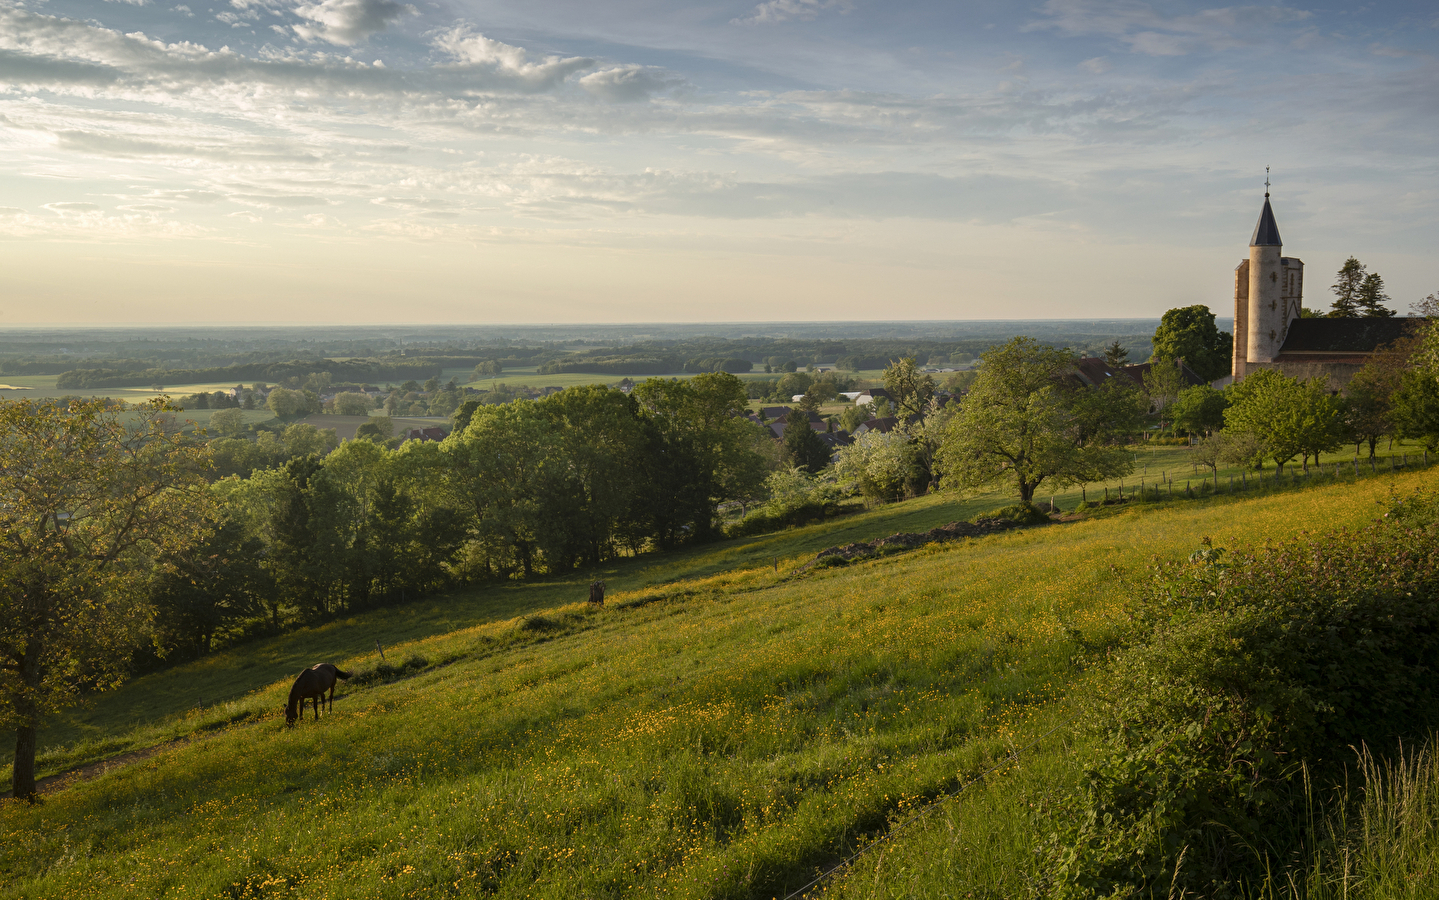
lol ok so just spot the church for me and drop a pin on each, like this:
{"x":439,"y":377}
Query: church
{"x":1269,"y":332}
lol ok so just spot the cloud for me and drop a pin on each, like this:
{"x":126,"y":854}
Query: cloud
{"x":347,"y":22}
{"x":628,"y":83}
{"x":1098,"y":66}
{"x":64,"y":208}
{"x":468,"y":47}
{"x":1148,"y":31}
{"x":775,"y":11}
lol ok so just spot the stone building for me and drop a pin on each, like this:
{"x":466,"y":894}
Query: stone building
{"x":1269,"y":331}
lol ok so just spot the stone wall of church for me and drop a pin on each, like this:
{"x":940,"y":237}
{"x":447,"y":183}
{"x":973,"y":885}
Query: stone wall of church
{"x":1336,"y":372}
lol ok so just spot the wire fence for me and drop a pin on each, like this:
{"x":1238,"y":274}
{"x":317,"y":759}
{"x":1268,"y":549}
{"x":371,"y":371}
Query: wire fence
{"x":1212,"y":483}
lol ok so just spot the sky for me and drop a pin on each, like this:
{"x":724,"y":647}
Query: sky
{"x":500,"y":161}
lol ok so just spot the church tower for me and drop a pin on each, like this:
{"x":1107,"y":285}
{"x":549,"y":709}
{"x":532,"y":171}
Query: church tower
{"x":1268,"y":295}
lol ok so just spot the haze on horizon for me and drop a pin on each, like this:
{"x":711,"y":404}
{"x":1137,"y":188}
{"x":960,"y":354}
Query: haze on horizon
{"x":381,"y":161}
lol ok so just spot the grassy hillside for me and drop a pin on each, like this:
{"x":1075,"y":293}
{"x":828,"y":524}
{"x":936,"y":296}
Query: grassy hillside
{"x":719,"y":729}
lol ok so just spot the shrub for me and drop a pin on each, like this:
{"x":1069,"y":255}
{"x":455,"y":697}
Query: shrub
{"x":796,"y":498}
{"x":1243,"y":681}
{"x":1020,"y":514}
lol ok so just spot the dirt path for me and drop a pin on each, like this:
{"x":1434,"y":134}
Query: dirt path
{"x":54,"y":783}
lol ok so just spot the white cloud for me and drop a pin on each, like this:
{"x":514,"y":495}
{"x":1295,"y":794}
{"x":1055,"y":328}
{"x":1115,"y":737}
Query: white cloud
{"x":1098,"y":65}
{"x":470,"y":48}
{"x":774,"y":11}
{"x":66,"y":208}
{"x":348,"y":22}
{"x":1151,"y":32}
{"x":628,"y":83}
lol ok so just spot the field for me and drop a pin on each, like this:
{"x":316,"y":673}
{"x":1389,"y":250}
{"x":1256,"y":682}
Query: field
{"x":724,"y":726}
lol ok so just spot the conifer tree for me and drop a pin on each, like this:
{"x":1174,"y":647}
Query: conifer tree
{"x":1115,"y":355}
{"x":1372,"y":298}
{"x":1347,"y":287}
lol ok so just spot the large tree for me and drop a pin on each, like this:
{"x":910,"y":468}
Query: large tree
{"x":1370,"y":400}
{"x":802,"y":447}
{"x":89,"y":496}
{"x":1189,"y":333}
{"x":699,"y":451}
{"x":1288,"y":416}
{"x":1028,"y":419}
{"x":1199,"y":409}
{"x":910,"y":388}
{"x":1347,"y":286}
{"x":1372,"y":298}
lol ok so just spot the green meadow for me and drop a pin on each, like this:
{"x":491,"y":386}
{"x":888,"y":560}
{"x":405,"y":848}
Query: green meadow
{"x":726,"y":725}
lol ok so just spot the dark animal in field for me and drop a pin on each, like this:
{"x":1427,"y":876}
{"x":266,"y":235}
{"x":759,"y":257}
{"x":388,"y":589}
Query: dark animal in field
{"x":312,"y":684}
{"x":597,"y":593}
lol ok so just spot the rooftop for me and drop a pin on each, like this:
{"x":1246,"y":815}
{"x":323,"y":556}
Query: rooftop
{"x":1343,"y":335}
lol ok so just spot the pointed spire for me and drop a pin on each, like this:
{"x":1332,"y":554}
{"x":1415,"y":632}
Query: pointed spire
{"x":1266,"y":232}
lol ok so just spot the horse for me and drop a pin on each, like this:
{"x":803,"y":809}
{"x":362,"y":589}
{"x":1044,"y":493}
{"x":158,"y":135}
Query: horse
{"x":312,"y":683}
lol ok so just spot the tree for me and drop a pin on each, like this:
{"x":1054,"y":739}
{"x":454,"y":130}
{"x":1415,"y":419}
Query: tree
{"x":853,"y":417}
{"x":910,"y":388}
{"x":228,"y":422}
{"x":486,"y":368}
{"x":877,"y":464}
{"x":1189,"y":333}
{"x":87,"y":499}
{"x":303,"y":439}
{"x":1199,"y":409}
{"x":1428,"y":307}
{"x":287,"y":404}
{"x":1163,"y":383}
{"x":1372,"y":298}
{"x":201,"y":590}
{"x":352,"y":403}
{"x":1415,"y":407}
{"x":1115,"y":355}
{"x":1286,"y":415}
{"x":699,"y":452}
{"x":381,"y":428}
{"x":1347,"y":286}
{"x":802,"y":447}
{"x":1369,"y":405}
{"x":1029,"y":420}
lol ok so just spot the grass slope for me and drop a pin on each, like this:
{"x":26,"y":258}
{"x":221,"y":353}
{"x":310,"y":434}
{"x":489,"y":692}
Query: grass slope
{"x":720,"y":735}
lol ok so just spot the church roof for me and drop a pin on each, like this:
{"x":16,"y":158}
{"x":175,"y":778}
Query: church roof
{"x":1266,"y":232}
{"x":1343,"y":335}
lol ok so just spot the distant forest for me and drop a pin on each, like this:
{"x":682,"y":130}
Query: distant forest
{"x":89,"y":359}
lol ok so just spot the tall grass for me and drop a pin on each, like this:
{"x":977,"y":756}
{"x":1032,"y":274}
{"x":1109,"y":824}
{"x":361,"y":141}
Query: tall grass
{"x":1379,"y":843}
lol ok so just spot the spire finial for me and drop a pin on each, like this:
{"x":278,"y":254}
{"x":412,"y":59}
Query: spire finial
{"x":1266,"y":182}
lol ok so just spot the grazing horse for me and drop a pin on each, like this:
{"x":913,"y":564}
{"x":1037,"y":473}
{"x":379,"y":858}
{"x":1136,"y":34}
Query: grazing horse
{"x":312,"y":683}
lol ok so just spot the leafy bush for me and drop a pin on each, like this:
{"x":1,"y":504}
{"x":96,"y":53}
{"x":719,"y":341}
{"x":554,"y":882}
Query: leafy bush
{"x":1243,"y":682}
{"x":1020,"y":513}
{"x":796,"y":497}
